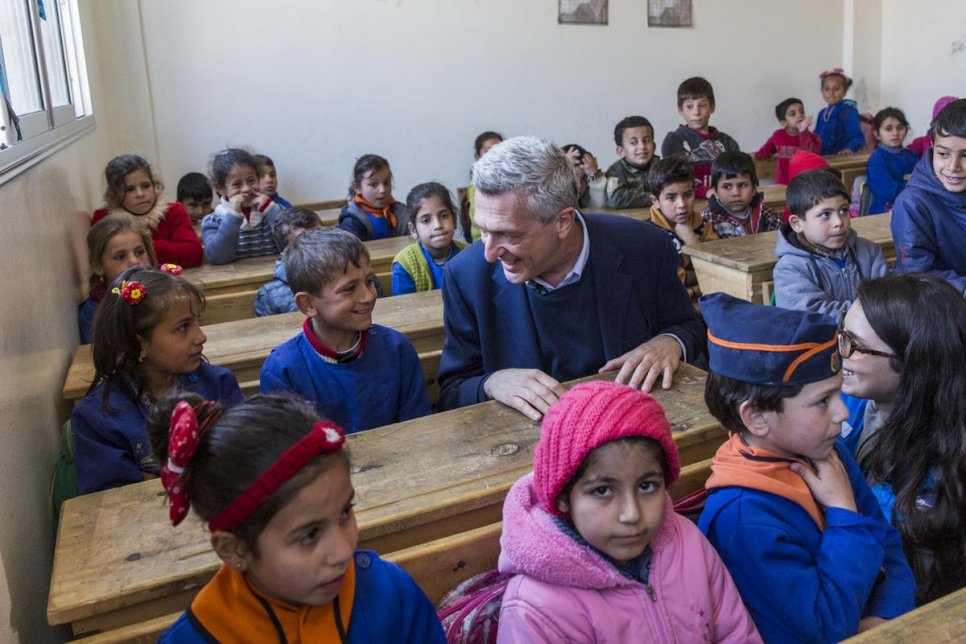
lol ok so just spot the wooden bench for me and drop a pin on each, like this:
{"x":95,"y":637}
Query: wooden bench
{"x":118,"y":561}
{"x":242,"y":346}
{"x":742,"y":266}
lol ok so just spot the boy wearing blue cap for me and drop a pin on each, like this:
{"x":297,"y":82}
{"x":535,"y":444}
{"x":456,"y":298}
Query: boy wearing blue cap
{"x":788,"y":509}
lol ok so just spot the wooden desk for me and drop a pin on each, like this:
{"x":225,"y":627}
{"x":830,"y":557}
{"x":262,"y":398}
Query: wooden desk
{"x":742,"y":266}
{"x":942,"y":621}
{"x":118,"y":561}
{"x":242,"y":346}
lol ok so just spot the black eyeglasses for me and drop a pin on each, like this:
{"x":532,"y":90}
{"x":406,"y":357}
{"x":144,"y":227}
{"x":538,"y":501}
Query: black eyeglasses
{"x":848,"y":346}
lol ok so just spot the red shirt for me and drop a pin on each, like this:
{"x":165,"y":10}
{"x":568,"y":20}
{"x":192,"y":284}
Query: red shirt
{"x":175,"y":241}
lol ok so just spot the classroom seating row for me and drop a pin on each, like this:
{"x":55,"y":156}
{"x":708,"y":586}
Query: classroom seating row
{"x":850,"y":166}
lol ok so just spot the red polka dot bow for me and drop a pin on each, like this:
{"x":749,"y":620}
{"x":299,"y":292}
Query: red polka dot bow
{"x":184,"y":434}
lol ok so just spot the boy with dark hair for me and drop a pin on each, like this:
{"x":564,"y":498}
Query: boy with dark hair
{"x":627,"y":177}
{"x":821,"y":260}
{"x":268,"y":179}
{"x":358,"y":374}
{"x":195,"y":194}
{"x":276,"y":296}
{"x":793,"y":135}
{"x":737,"y":208}
{"x":697,"y":141}
{"x":672,"y":184}
{"x":929,"y":216}
{"x":788,"y":509}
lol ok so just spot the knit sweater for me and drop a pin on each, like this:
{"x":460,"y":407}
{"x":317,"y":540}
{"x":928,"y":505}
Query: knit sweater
{"x":230,"y":235}
{"x":173,"y":238}
{"x":700,"y":150}
{"x":414,"y":270}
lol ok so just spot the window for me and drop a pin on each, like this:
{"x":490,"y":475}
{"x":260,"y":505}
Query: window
{"x":45,"y":100}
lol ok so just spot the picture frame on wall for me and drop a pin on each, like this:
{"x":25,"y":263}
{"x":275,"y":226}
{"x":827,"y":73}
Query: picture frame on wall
{"x":669,"y":13}
{"x":582,"y":12}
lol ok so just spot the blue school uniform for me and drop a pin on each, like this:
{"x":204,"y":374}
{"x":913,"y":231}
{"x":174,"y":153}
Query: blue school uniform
{"x":112,"y":449}
{"x":839,"y":127}
{"x":85,"y":319}
{"x":886,"y":172}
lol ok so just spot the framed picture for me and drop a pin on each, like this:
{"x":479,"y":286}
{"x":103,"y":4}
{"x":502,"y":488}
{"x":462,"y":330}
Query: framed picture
{"x":582,"y":12}
{"x":668,"y":13}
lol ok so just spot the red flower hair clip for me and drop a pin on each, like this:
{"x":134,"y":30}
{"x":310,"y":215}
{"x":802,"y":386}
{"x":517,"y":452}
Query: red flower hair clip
{"x":171,"y":269}
{"x":132,"y":292}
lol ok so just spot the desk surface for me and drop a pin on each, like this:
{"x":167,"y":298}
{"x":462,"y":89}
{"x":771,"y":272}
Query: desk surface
{"x":116,"y":548}
{"x":942,"y":621}
{"x":757,"y":252}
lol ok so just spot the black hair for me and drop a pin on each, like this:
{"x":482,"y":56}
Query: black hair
{"x":729,"y":165}
{"x":723,"y":396}
{"x":366,"y":163}
{"x":194,"y":185}
{"x":291,"y":218}
{"x":318,"y":255}
{"x":118,"y":168}
{"x":429,"y":189}
{"x":808,"y":188}
{"x":224,"y":161}
{"x":846,"y":81}
{"x":782,"y":108}
{"x":694,"y":88}
{"x":627,"y":123}
{"x":624,"y":443}
{"x":261,"y":161}
{"x":241,"y":444}
{"x":888,"y":112}
{"x":951,"y":120}
{"x":672,"y":169}
{"x":575,"y":146}
{"x":483,"y":138}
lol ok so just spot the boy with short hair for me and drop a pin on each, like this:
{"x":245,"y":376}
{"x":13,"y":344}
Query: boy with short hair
{"x":268,"y":179}
{"x":195,"y":194}
{"x":359,"y":374}
{"x":821,"y":260}
{"x":697,"y":141}
{"x":788,"y":509}
{"x":672,"y":193}
{"x":276,"y":296}
{"x":929,"y":216}
{"x":627,"y":177}
{"x":737,"y":208}
{"x":793,"y":135}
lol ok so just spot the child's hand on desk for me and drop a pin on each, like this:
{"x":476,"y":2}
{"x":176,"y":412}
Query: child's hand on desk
{"x":846,"y":153}
{"x":829,"y":482}
{"x":529,"y":391}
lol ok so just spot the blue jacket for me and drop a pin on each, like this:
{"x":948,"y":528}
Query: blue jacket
{"x":275,"y":296}
{"x":885,"y":172}
{"x":112,"y":449}
{"x":929,"y":227}
{"x":383,"y":386}
{"x":388,"y":607}
{"x":802,"y":584}
{"x":839,"y":127}
{"x":85,"y":319}
{"x":489,"y":325}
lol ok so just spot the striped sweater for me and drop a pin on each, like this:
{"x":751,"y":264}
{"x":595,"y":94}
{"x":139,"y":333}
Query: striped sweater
{"x":229,"y":236}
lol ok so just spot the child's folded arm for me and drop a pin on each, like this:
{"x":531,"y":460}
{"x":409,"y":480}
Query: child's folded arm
{"x":219,"y":232}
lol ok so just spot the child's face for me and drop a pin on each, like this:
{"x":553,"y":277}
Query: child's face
{"x":637,"y":145}
{"x":949,"y":162}
{"x":305,"y":550}
{"x":826,"y":224}
{"x":376,"y":187}
{"x":489,"y":143}
{"x":696,"y":113}
{"x":343,"y":306}
{"x":197,"y":208}
{"x":833,"y":89}
{"x":123,"y":250}
{"x":892,"y":132}
{"x":268,"y":181}
{"x":735,"y":193}
{"x":794,"y":118}
{"x":617,"y":505}
{"x":433,"y":225}
{"x":139,"y":193}
{"x":865,"y":375}
{"x":175,"y":344}
{"x":240,"y":180}
{"x":676,"y":201}
{"x":808,"y":424}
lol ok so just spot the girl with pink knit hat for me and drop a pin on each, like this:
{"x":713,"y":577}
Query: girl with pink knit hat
{"x":594,"y":546}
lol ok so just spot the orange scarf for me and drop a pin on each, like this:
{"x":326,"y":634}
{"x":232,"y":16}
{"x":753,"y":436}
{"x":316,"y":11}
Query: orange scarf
{"x":232,"y":611}
{"x":385,"y":213}
{"x":738,"y":465}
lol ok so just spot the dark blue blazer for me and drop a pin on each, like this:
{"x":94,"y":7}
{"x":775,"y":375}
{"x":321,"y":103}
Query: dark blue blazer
{"x":489,"y":325}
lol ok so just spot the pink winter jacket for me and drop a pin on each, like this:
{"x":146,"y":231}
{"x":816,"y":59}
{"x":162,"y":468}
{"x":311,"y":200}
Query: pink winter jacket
{"x":565,"y":592}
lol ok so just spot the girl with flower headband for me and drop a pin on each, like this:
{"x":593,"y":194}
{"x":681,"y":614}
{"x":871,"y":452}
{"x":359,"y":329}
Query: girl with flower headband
{"x":272,"y":482}
{"x":838,"y":124}
{"x":147,"y":343}
{"x":133,"y":189}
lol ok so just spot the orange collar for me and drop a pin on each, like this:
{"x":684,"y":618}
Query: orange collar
{"x":386,"y":213}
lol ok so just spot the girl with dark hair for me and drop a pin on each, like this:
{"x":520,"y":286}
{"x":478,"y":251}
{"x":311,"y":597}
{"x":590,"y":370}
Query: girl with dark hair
{"x":419,"y":266}
{"x":271,"y":480}
{"x":132,"y":188}
{"x":372,"y":212}
{"x":903,"y":342}
{"x":890,"y":166}
{"x":147,"y":343}
{"x":838,"y":123}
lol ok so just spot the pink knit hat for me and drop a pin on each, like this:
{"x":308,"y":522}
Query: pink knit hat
{"x":940,"y":104}
{"x":585,"y":418}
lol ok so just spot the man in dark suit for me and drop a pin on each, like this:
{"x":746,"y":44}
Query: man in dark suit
{"x":551,"y":294}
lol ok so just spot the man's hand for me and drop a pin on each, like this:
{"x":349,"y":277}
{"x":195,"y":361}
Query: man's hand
{"x":641,"y":367}
{"x":529,"y":391}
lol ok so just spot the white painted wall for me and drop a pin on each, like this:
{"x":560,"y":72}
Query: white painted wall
{"x":315,"y":84}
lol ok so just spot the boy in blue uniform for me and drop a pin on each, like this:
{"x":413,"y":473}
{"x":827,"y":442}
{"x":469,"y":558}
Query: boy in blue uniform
{"x":788,"y":509}
{"x":359,"y":374}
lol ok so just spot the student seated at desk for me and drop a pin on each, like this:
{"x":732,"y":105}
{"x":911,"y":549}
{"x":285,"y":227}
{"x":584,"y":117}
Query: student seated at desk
{"x":359,"y":374}
{"x":591,"y":181}
{"x":268,"y":179}
{"x":195,"y":195}
{"x":737,"y":208}
{"x":627,"y":177}
{"x":271,"y":480}
{"x":372,"y":211}
{"x":147,"y":343}
{"x":277,"y":296}
{"x":793,"y":135}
